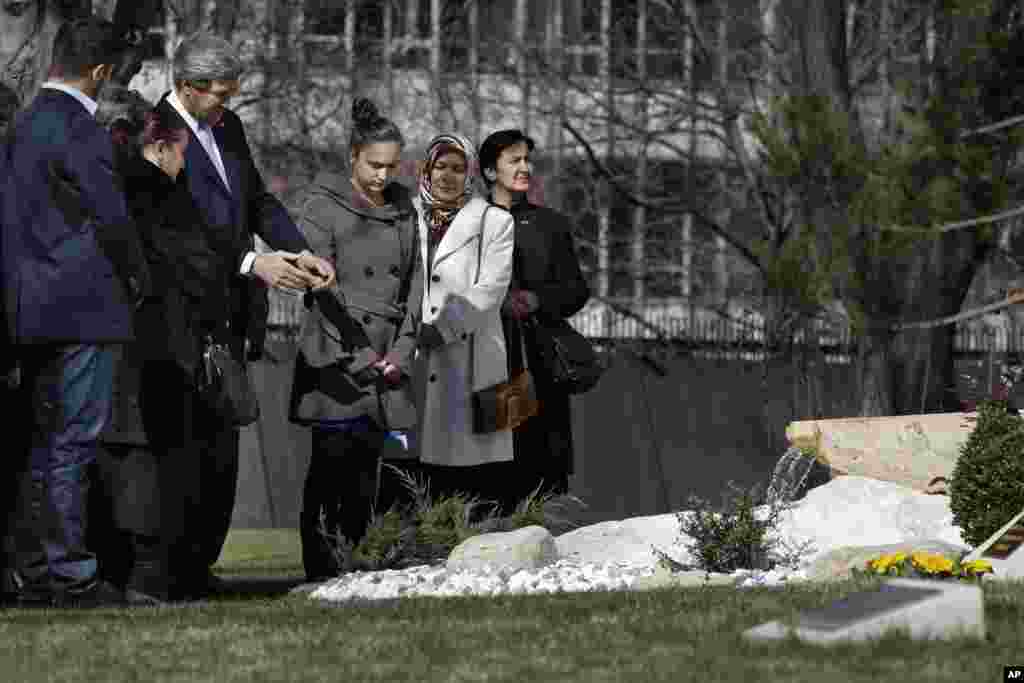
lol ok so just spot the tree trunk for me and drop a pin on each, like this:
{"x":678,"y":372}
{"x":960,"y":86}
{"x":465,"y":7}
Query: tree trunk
{"x":639,"y":242}
{"x":26,"y":41}
{"x":922,"y":360}
{"x":604,"y":220}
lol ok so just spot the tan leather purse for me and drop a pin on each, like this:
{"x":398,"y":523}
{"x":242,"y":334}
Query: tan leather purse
{"x":509,"y":404}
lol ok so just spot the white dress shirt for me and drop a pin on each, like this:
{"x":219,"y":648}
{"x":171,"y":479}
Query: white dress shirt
{"x":89,"y":103}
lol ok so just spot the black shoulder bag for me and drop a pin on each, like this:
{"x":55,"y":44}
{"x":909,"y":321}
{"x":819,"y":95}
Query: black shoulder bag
{"x":224,"y":386}
{"x":569,"y":358}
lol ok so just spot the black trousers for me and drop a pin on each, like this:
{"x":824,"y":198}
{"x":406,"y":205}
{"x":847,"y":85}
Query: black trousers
{"x":345,"y":484}
{"x":13,"y":466}
{"x":197,"y":472}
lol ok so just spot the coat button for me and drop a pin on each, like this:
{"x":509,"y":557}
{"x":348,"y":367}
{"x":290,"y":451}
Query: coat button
{"x":367,"y":319}
{"x":435,"y":278}
{"x":433,"y":309}
{"x":433,"y":377}
{"x":465,"y":335}
{"x":369,"y":271}
{"x":396,"y":271}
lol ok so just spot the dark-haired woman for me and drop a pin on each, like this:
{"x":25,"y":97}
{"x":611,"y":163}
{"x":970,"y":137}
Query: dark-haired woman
{"x":191,"y":263}
{"x":547,"y":285}
{"x":351,"y":382}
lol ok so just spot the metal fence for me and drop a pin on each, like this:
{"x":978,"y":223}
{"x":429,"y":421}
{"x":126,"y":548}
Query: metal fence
{"x":705,"y":331}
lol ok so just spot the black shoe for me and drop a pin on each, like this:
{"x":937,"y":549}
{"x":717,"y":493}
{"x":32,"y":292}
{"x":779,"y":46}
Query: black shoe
{"x":98,"y":593}
{"x":149,"y":578}
{"x":139,"y":599}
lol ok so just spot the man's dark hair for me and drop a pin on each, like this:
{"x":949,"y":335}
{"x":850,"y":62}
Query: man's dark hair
{"x":496,"y":143}
{"x":83,"y":44}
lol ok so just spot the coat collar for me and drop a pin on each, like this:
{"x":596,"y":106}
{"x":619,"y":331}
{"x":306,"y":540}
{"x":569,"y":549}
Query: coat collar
{"x":464,"y":230}
{"x":197,"y":161}
{"x":339,"y":188}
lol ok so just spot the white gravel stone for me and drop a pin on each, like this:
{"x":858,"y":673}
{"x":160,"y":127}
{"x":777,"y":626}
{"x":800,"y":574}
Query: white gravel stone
{"x":614,"y":555}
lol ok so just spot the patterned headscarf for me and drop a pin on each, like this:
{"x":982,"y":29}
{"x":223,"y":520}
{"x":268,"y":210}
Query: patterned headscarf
{"x":440,"y":214}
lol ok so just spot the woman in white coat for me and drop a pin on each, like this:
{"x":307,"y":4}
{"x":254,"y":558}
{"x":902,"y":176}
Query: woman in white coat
{"x":461,"y":343}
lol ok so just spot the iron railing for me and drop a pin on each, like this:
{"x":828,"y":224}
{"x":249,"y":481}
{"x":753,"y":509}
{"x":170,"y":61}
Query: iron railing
{"x":703,"y":331}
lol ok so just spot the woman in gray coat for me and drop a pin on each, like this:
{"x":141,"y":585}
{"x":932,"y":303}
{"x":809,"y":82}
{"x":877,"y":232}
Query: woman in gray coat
{"x":351,"y":383}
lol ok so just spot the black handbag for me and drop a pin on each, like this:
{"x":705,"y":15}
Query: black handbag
{"x":224,"y":386}
{"x":572,"y":365}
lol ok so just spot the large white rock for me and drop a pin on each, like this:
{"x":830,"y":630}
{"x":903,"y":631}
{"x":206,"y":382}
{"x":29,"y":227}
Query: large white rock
{"x":531,"y":547}
{"x":628,"y":540}
{"x":858,"y":511}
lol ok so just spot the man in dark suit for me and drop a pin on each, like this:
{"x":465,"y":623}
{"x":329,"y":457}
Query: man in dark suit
{"x":228,"y":189}
{"x":547,"y":284}
{"x":73,"y":273}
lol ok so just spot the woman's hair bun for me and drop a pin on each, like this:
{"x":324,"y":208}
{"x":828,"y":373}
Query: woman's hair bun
{"x":364,"y":112}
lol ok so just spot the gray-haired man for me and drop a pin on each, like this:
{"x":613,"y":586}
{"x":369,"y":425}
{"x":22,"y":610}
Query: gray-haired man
{"x":229,"y":191}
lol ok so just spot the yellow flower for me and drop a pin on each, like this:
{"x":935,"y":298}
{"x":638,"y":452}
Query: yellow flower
{"x":932,"y":563}
{"x":883,"y":564}
{"x":975,"y":567}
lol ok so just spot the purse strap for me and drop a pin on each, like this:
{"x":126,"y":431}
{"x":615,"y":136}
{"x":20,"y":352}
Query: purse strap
{"x":476,"y":279}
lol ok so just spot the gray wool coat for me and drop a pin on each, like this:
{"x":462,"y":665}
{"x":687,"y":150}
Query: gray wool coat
{"x":376,"y":254}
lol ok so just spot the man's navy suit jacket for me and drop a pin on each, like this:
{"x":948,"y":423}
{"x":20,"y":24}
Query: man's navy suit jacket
{"x":246,"y":209}
{"x":73,"y":269}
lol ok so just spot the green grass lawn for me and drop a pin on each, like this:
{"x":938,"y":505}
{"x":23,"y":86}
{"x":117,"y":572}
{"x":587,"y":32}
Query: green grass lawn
{"x":261,"y":633}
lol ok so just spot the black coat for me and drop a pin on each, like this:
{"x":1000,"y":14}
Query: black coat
{"x":192,"y":265}
{"x":191,"y":261}
{"x":545,"y":263}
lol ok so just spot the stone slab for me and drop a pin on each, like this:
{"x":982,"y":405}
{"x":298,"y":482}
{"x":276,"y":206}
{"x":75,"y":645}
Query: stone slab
{"x":923,"y":609}
{"x":911,"y":450}
{"x":1004,"y":550}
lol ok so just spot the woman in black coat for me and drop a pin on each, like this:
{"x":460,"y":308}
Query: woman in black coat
{"x":191,"y":263}
{"x":546,"y":284}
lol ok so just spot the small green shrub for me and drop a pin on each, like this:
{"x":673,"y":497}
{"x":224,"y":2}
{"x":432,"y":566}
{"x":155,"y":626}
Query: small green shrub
{"x":987,"y":487}
{"x":445,"y":524}
{"x":733,"y":536}
{"x":428,"y":529}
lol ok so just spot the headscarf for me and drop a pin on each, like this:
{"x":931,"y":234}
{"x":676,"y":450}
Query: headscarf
{"x":441,"y":214}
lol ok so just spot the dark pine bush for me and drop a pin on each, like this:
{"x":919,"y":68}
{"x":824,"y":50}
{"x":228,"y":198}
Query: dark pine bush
{"x":987,"y":488}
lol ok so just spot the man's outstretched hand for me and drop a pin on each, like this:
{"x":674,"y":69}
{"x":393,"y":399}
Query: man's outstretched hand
{"x":279,"y":269}
{"x":318,"y":267}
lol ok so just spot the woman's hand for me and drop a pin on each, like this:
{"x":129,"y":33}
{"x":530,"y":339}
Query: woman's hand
{"x":520,"y":303}
{"x":391,"y":373}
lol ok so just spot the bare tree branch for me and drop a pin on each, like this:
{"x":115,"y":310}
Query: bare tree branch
{"x":959,"y":225}
{"x":1016,"y":297}
{"x":633,"y":198}
{"x":993,"y":127}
